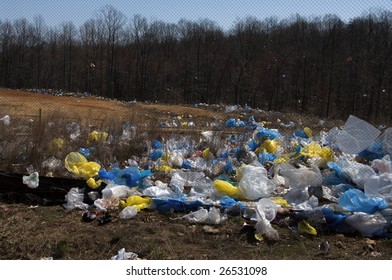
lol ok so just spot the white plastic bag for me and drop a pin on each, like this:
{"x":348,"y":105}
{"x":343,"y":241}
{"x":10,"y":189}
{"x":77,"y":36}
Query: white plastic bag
{"x":120,"y":191}
{"x":368,"y":225}
{"x":204,"y":216}
{"x":269,"y":208}
{"x":123,"y":255}
{"x":300,"y":177}
{"x":128,"y":212}
{"x":263,"y":225}
{"x":74,"y":200}
{"x":255,"y":183}
{"x":358,"y":173}
{"x":32,"y":180}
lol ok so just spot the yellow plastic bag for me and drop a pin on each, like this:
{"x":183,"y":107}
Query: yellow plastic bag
{"x":93,"y":184}
{"x":304,"y":227}
{"x":226,"y":188}
{"x":97,"y":136}
{"x":268,"y":146}
{"x":282,"y":159}
{"x":207,"y":154}
{"x":280,"y":201}
{"x":326,"y":153}
{"x":137,"y":201}
{"x":57,"y":144}
{"x":315,"y":150}
{"x":78,"y":164}
{"x":166,"y":169}
{"x":308,"y":132}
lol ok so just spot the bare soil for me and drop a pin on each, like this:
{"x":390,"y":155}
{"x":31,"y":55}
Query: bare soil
{"x":34,"y":232}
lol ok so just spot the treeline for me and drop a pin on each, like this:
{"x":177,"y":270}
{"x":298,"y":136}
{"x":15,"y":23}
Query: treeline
{"x":321,"y":65}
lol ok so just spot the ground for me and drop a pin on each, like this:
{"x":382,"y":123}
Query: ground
{"x":34,"y":232}
{"x":52,"y":232}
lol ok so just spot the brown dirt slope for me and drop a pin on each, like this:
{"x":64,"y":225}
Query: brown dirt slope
{"x":28,"y":104}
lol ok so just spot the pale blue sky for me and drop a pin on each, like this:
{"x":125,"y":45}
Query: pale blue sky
{"x":223,"y":12}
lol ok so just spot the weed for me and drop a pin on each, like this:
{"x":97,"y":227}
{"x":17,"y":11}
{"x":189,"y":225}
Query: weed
{"x":61,"y":249}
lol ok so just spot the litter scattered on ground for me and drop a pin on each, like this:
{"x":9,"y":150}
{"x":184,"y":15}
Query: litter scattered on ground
{"x":123,"y":255}
{"x":339,"y":181}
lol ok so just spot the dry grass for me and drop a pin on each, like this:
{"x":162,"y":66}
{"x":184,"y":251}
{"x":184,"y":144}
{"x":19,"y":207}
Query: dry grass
{"x":50,"y":231}
{"x":28,"y":141}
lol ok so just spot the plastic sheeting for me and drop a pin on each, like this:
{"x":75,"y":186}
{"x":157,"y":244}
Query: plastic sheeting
{"x":356,"y":135}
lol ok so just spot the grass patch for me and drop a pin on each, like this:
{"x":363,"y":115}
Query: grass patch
{"x":61,"y":249}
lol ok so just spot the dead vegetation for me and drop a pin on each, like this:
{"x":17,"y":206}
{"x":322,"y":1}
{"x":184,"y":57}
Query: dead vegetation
{"x":31,"y":232}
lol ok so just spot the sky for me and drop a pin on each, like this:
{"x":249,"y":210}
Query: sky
{"x":223,"y":12}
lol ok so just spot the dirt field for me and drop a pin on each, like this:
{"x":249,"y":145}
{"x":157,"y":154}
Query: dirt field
{"x":34,"y":232}
{"x":91,"y":109}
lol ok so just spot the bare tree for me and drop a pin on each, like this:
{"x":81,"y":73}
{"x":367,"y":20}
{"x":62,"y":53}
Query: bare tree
{"x":112,"y":22}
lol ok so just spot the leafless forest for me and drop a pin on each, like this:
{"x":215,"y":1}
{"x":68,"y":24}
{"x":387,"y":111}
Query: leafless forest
{"x":322,"y":66}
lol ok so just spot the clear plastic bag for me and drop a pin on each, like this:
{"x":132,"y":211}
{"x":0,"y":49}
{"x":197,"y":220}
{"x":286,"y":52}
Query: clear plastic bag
{"x":128,"y":212}
{"x":254,"y":183}
{"x":300,"y":177}
{"x":369,"y":225}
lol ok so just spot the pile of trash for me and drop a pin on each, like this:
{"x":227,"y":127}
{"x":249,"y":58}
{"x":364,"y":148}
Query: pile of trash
{"x":339,"y":181}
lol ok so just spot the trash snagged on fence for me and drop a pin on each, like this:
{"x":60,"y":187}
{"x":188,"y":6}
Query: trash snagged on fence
{"x":130,"y":176}
{"x":57,"y":144}
{"x":340,"y":181}
{"x":32,"y":180}
{"x":232,"y":123}
{"x":6,"y":120}
{"x":129,"y":132}
{"x":52,"y":164}
{"x":78,"y":164}
{"x":97,"y":136}
{"x":86,"y":151}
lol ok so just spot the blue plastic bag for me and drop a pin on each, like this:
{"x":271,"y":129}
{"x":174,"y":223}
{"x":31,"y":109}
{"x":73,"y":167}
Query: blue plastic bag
{"x":169,"y":205}
{"x":300,"y":133}
{"x":227,"y":202}
{"x":336,"y":169}
{"x":156,"y":154}
{"x":335,"y":221}
{"x":375,"y":151}
{"x":228,"y":168}
{"x":156,"y":145}
{"x":266,"y":133}
{"x":86,"y":151}
{"x":231,"y":123}
{"x":356,"y":201}
{"x":264,"y":157}
{"x":186,"y":164}
{"x":253,"y":145}
{"x":130,"y":176}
